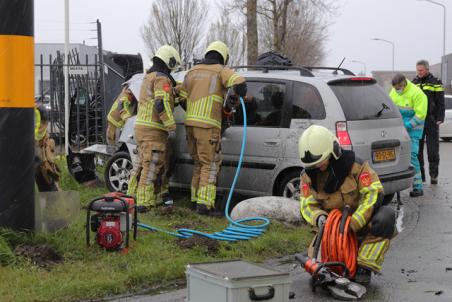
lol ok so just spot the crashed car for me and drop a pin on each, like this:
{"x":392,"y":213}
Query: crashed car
{"x":285,"y":102}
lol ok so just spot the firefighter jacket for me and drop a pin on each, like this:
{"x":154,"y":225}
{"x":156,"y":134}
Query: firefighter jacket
{"x":123,"y":108}
{"x":433,"y":89}
{"x":204,"y":88}
{"x":412,"y":104}
{"x":156,"y":104}
{"x":360,"y":190}
{"x":40,"y":125}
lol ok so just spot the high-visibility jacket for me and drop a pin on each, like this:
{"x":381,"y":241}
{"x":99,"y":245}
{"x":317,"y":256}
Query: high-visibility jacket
{"x":40,"y":125}
{"x":204,"y":89}
{"x":359,"y":190}
{"x":156,"y":104}
{"x":434,"y":90}
{"x":412,"y":104}
{"x":122,"y":109}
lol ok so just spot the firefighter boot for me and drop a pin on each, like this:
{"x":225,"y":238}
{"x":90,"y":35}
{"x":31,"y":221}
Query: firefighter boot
{"x":363,"y":275}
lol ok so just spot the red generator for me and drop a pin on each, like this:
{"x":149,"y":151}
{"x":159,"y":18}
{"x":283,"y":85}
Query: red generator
{"x":115,"y":214}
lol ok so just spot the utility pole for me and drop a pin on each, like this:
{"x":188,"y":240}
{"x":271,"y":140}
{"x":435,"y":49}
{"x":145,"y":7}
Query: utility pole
{"x":17,"y":141}
{"x":101,"y":75}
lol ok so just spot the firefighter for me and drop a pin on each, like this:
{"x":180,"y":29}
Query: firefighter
{"x":203,"y":90}
{"x":47,"y":172}
{"x":433,"y":89}
{"x":412,"y":104}
{"x":333,"y":178}
{"x":123,"y":108}
{"x":154,"y":128}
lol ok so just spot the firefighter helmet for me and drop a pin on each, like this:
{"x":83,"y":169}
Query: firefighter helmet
{"x":169,"y":55}
{"x":221,"y":48}
{"x":316,"y":144}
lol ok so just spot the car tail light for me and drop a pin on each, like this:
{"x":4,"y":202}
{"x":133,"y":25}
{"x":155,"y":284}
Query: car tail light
{"x":343,"y":136}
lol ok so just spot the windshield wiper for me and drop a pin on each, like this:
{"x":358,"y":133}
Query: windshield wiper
{"x":384,"y":107}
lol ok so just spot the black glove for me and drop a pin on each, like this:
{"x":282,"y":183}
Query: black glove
{"x":231,"y":103}
{"x":240,"y":89}
{"x":321,"y":220}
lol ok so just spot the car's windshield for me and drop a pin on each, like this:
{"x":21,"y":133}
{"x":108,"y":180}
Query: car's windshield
{"x":364,"y":101}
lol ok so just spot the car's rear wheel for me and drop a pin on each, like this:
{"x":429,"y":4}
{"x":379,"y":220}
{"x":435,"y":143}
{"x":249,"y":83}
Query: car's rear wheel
{"x":117,"y":172}
{"x":446,"y":139}
{"x":388,"y":198}
{"x":289,"y":185}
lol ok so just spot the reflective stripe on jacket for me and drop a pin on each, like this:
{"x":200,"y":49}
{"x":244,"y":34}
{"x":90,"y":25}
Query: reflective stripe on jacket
{"x":204,"y":89}
{"x":156,"y":90}
{"x":122,"y":109}
{"x":412,"y":104}
{"x":360,"y":191}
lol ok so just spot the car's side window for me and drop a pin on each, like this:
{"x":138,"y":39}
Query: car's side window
{"x":263,"y":104}
{"x":307,"y":102}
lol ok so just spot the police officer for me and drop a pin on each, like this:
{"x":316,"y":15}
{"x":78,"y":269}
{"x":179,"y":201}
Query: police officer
{"x":154,"y":127}
{"x":333,"y":178}
{"x":204,"y":89}
{"x":122,"y":109}
{"x":432,"y":87}
{"x":412,"y":104}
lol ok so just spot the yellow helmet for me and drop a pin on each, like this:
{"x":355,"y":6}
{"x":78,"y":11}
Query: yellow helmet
{"x":221,"y":48}
{"x":316,"y":144}
{"x":169,"y":55}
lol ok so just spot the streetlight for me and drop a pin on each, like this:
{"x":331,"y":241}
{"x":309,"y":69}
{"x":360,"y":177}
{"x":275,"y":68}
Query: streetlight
{"x":362,"y":63}
{"x":393,"y":49}
{"x":443,"y":60}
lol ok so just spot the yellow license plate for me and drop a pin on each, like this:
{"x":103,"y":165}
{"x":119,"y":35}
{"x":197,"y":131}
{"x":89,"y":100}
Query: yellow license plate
{"x":384,"y":155}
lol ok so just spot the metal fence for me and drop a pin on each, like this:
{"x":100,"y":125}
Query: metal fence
{"x":86,"y":104}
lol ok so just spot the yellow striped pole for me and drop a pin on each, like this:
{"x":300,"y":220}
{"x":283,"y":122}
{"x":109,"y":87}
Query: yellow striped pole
{"x":16,"y":114}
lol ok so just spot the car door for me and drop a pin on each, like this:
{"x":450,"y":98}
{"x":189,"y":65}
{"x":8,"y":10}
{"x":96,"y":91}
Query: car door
{"x":265,"y":115}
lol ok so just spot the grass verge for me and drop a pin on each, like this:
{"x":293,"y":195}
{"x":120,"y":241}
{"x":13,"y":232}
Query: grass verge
{"x":154,"y":260}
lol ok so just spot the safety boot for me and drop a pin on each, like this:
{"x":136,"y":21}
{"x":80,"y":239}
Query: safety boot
{"x":434,"y":180}
{"x":202,"y":209}
{"x":167,"y":199}
{"x":142,"y":209}
{"x":363,"y":275}
{"x":416,"y":193}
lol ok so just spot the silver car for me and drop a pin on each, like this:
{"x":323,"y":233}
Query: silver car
{"x":281,"y":104}
{"x":445,"y":129}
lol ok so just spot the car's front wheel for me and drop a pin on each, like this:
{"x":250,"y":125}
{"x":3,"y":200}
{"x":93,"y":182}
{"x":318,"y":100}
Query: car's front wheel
{"x":289,"y":185}
{"x":117,"y":172}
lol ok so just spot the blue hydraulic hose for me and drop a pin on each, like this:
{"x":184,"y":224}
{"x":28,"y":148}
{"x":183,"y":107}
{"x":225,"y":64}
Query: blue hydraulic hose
{"x":236,"y":229}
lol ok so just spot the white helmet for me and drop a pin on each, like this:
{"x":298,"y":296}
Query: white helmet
{"x":221,"y":48}
{"x":316,"y":144}
{"x":169,"y":55}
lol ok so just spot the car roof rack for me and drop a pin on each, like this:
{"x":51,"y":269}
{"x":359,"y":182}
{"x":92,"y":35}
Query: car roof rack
{"x":265,"y":68}
{"x":334,"y":69}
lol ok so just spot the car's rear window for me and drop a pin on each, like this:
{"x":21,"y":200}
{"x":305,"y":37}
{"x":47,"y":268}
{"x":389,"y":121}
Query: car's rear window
{"x":364,"y":101}
{"x":448,"y":101}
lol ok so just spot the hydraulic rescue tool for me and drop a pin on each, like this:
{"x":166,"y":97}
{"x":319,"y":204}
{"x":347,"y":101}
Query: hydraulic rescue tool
{"x":115,"y":214}
{"x":338,"y":258}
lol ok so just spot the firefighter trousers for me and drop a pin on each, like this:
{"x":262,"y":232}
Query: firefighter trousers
{"x":150,"y":167}
{"x":204,"y":145}
{"x":374,"y":239}
{"x":431,"y":137}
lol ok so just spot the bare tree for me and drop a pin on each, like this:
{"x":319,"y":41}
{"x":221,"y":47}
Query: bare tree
{"x":231,"y":34}
{"x":295,"y":28}
{"x":251,"y":31}
{"x":179,"y":23}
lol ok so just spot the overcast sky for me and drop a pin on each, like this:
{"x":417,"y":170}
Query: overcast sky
{"x":416,"y":28}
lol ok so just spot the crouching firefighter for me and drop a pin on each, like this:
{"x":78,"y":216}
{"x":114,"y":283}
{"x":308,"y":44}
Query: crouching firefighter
{"x":47,"y":172}
{"x":123,"y":108}
{"x":334,"y":179}
{"x":154,"y":128}
{"x":204,"y":89}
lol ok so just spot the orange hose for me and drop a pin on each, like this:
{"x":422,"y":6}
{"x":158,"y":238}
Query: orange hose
{"x":339,"y":247}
